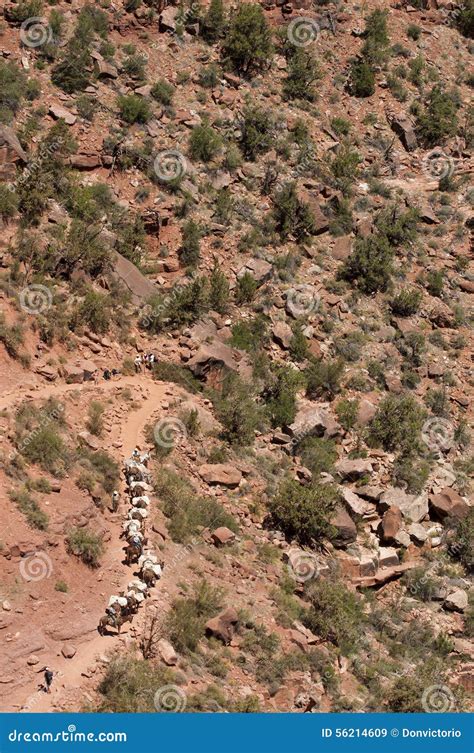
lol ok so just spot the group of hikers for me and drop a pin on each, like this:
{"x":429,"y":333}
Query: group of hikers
{"x":146,"y":361}
{"x":125,"y":604}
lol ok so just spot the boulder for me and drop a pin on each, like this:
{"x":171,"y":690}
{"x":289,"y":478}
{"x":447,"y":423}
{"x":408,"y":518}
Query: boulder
{"x":417,"y":532}
{"x":11,"y":152}
{"x":207,"y":422}
{"x":356,"y":505}
{"x":85,"y":160}
{"x":60,"y":112}
{"x":73,"y":374}
{"x":89,"y":369}
{"x":282,"y":334}
{"x":321,"y":222}
{"x":342,"y":248}
{"x":222,"y":536}
{"x":448,"y":504}
{"x":404,"y":130}
{"x":68,"y":651}
{"x":136,"y":283}
{"x":365,"y":412}
{"x":390,"y":523}
{"x":388,"y":557}
{"x":223,"y":474}
{"x":167,"y":653}
{"x":351,"y":470}
{"x":259,"y":269}
{"x":344,"y":525}
{"x":212,"y":358}
{"x":311,"y":421}
{"x":223,"y":626}
{"x":457,"y":601}
{"x":88,"y":439}
{"x":106,"y":70}
{"x":412,"y":508}
{"x":168,"y":19}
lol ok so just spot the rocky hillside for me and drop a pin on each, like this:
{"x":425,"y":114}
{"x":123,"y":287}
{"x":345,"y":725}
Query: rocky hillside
{"x":275,"y":200}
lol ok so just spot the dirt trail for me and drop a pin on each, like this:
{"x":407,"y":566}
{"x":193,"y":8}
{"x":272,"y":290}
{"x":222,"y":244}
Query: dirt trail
{"x":70,"y":671}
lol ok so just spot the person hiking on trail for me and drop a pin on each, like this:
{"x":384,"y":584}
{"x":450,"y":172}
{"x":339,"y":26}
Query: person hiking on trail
{"x":48,"y":679}
{"x":107,"y":374}
{"x":151,"y":360}
{"x":115,"y":500}
{"x":138,"y":364}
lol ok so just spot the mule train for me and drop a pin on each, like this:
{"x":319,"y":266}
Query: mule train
{"x":124,"y":605}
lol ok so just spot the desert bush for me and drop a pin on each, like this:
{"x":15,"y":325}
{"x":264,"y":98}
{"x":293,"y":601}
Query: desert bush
{"x":347,"y":411}
{"x":204,"y":143}
{"x":376,"y":42}
{"x":129,"y":685}
{"x":93,"y":312}
{"x":13,"y":88}
{"x":85,"y":544}
{"x":292,"y":216}
{"x":8,"y":202}
{"x":303,"y":72}
{"x":38,"y":438}
{"x":245,"y":289}
{"x":104,"y":467}
{"x":397,"y":424}
{"x":406,"y":303}
{"x":87,"y":107}
{"x":187,"y":618}
{"x":25,"y":9}
{"x":303,"y":512}
{"x":317,"y":454}
{"x":298,"y":349}
{"x":256,"y":130}
{"x":250,"y":334}
{"x":437,"y":120}
{"x":280,"y":396}
{"x":336,"y":614}
{"x":72,"y":73}
{"x":411,"y":473}
{"x":349,"y":346}
{"x":370,"y":265}
{"x":95,"y":421}
{"x":465,"y":19}
{"x":35,"y":516}
{"x":435,"y":282}
{"x":135,"y":66}
{"x":237,"y":411}
{"x":460,"y":540}
{"x":163,"y":92}
{"x":134,"y":109}
{"x":414,"y":32}
{"x":189,"y":251}
{"x":248,"y":43}
{"x":218,"y":290}
{"x":323,"y":378}
{"x":420,"y":584}
{"x":344,"y":167}
{"x":11,"y":336}
{"x":362,"y":79}
{"x":213,"y":22}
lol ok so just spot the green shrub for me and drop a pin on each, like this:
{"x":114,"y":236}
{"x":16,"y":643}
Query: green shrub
{"x":349,"y":346}
{"x":104,"y":467}
{"x":204,"y":143}
{"x":420,"y":584}
{"x":163,"y":92}
{"x":303,"y":72}
{"x":248,"y":43}
{"x":10,"y":336}
{"x":213,"y":23}
{"x":435,"y":282}
{"x":189,"y":252}
{"x":129,"y":686}
{"x":376,"y":37}
{"x":345,"y":167}
{"x":245,"y":289}
{"x":437,"y":121}
{"x":250,"y":334}
{"x":341,"y":126}
{"x":317,"y":454}
{"x":93,"y":312}
{"x":73,"y":71}
{"x":406,"y":303}
{"x":134,"y":109}
{"x":24,"y":10}
{"x":298,"y":349}
{"x":414,"y":32}
{"x":465,"y":19}
{"x":411,"y":473}
{"x":186,"y":620}
{"x":362,"y":79}
{"x":13,"y":87}
{"x":38,"y":438}
{"x":292,"y":216}
{"x":8,"y":203}
{"x":256,"y":132}
{"x":95,"y":422}
{"x":209,"y":76}
{"x":237,"y":411}
{"x":336,"y":614}
{"x":35,"y":516}
{"x":61,"y":586}
{"x":218,"y":290}
{"x":87,"y":107}
{"x":460,"y":540}
{"x":187,"y":512}
{"x":397,"y":424}
{"x":134,"y":66}
{"x":323,"y":378}
{"x":280,"y":396}
{"x":347,"y":412}
{"x":85,"y":544}
{"x":303,"y":513}
{"x":370,"y":264}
